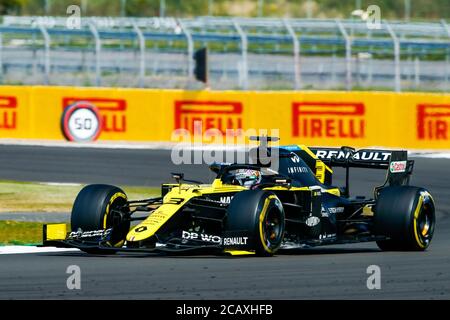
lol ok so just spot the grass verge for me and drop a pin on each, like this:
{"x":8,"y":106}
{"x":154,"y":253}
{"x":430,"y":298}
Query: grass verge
{"x":44,"y":197}
{"x":20,"y":233}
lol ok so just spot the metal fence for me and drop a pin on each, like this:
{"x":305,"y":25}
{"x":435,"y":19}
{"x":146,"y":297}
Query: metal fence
{"x":244,"y":53}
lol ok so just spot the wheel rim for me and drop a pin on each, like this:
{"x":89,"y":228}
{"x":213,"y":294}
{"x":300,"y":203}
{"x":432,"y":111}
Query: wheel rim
{"x":425,"y":223}
{"x":115,"y":220}
{"x":273,"y":229}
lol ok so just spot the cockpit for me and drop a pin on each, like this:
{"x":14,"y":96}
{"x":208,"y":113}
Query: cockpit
{"x":291,"y":166}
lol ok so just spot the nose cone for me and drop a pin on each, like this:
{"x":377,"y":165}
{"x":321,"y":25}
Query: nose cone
{"x":140,"y":232}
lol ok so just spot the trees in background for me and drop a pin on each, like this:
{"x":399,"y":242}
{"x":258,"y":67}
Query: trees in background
{"x":10,"y":6}
{"x":419,"y":9}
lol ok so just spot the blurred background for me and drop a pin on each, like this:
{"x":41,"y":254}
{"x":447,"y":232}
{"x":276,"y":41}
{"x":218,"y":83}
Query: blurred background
{"x":392,"y":9}
{"x":251,"y":44}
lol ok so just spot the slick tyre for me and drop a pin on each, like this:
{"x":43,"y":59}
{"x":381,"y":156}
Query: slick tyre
{"x":95,"y":208}
{"x":406,"y":215}
{"x":260,"y":214}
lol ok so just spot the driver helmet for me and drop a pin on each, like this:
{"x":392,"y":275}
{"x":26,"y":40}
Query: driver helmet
{"x":247,"y":177}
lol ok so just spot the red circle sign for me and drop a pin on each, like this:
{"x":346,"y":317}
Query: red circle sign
{"x":81,"y":122}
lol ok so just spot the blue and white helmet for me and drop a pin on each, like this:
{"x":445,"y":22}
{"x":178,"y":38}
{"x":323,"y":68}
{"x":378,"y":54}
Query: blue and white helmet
{"x":247,"y":177}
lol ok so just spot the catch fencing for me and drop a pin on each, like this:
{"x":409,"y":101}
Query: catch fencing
{"x":244,"y":53}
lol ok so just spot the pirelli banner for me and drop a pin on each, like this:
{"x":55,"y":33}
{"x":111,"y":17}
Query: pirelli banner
{"x":322,"y":118}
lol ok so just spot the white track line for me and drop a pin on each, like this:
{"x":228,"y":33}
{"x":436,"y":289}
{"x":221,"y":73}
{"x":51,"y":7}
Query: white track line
{"x":443,"y":154}
{"x":433,"y":155}
{"x":119,"y":145}
{"x":98,"y":144}
{"x":60,"y":184}
{"x":31,"y":249}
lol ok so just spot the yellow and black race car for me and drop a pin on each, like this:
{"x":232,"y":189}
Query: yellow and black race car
{"x":254,"y":209}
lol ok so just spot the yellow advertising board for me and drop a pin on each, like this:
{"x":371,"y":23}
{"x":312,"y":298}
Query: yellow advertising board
{"x":322,"y":118}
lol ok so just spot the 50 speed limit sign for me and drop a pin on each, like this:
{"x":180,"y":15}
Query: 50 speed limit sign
{"x":81,"y":122}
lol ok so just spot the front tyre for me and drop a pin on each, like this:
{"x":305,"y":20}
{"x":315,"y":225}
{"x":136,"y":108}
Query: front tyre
{"x":100,"y":207}
{"x":406,"y":215}
{"x":259,"y":213}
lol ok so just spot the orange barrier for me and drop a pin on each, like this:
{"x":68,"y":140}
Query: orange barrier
{"x":325,"y":118}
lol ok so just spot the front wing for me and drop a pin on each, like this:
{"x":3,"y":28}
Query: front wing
{"x":189,"y":242}
{"x":56,"y":235}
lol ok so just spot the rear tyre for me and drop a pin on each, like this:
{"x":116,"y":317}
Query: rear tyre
{"x":406,"y":215}
{"x":96,"y":208}
{"x":261,"y":215}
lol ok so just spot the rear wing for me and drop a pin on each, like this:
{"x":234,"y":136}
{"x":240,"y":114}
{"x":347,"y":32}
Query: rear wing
{"x":396,"y":162}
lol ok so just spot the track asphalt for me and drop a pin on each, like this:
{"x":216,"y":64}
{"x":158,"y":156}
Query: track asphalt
{"x":333,"y":272}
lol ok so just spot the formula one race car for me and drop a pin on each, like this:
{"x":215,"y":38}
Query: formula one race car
{"x":253,"y":209}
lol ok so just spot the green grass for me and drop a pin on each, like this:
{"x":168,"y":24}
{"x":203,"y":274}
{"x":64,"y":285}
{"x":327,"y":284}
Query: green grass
{"x":39,"y":197}
{"x":20,"y":233}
